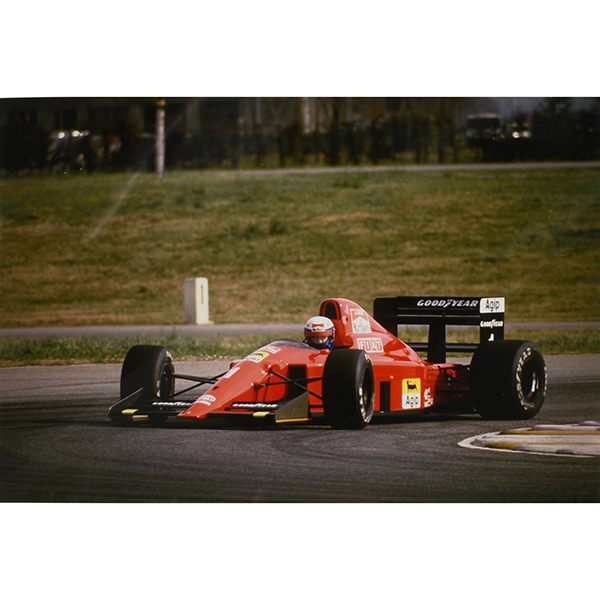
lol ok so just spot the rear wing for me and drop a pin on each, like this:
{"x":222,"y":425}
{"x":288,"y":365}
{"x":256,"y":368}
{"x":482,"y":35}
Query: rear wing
{"x":439,"y":312}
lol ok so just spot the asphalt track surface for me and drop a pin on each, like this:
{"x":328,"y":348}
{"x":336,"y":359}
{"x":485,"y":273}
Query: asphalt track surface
{"x":58,"y":445}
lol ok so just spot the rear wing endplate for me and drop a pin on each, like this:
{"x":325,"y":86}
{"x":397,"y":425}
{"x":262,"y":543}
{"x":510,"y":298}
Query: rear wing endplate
{"x":438,"y":312}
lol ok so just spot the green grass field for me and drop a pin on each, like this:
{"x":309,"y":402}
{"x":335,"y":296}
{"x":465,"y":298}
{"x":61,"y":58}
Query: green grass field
{"x":116,"y":248}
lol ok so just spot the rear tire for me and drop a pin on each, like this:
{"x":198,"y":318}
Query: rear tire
{"x":508,"y":380}
{"x":151,"y":369}
{"x":348,"y":389}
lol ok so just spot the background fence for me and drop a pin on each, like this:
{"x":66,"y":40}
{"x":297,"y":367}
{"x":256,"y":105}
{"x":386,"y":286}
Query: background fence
{"x":243,"y":133}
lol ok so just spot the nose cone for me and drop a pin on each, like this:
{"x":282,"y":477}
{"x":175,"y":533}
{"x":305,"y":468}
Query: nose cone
{"x":237,"y":385}
{"x":257,"y":379}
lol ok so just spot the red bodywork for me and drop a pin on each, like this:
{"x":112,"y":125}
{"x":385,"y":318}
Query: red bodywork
{"x":258,"y":384}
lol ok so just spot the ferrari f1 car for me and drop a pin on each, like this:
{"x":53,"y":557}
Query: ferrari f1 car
{"x":367,"y":372}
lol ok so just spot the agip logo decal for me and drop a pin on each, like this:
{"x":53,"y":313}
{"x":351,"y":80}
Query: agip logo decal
{"x":411,"y":393}
{"x":491,"y":305}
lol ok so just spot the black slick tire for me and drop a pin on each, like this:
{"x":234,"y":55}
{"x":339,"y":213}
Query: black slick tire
{"x":508,"y":380}
{"x":348,"y":389}
{"x":151,"y":369}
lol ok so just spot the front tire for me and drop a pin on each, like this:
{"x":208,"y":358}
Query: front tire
{"x":151,"y":369}
{"x":348,"y":389}
{"x":508,"y":380}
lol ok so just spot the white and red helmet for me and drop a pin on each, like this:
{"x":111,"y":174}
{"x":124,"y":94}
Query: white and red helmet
{"x":319,"y":332}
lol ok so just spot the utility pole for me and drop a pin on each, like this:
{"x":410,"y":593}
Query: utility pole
{"x":258,"y":138}
{"x":160,"y":138}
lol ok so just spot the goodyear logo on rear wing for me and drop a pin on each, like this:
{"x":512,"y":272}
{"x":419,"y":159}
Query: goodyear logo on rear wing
{"x":493,"y":324}
{"x":486,"y":305}
{"x":447,"y":303}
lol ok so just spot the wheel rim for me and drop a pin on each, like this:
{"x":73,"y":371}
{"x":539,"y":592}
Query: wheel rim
{"x":365,"y":397}
{"x":165,"y":386}
{"x":529,"y":381}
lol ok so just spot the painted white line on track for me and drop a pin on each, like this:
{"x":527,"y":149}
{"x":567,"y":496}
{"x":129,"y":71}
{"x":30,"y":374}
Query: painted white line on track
{"x":581,"y":440}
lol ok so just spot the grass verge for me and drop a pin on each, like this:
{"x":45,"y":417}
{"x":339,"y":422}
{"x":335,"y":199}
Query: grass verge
{"x":116,"y":248}
{"x":60,"y":351}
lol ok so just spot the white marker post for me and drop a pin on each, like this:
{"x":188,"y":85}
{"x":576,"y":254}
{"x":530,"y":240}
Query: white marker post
{"x":196,"y":300}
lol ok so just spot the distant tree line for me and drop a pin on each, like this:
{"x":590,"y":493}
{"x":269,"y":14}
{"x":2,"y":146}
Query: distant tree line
{"x":559,"y":132}
{"x":554,"y":131}
{"x":371,"y":131}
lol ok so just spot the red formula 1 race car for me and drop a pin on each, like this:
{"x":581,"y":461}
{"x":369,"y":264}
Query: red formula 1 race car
{"x":351,"y":367}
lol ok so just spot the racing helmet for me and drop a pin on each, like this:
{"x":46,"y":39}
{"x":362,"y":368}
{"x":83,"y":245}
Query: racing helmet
{"x":319,"y":332}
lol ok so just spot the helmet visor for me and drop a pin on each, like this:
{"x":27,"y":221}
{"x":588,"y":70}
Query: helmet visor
{"x":320,"y":339}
